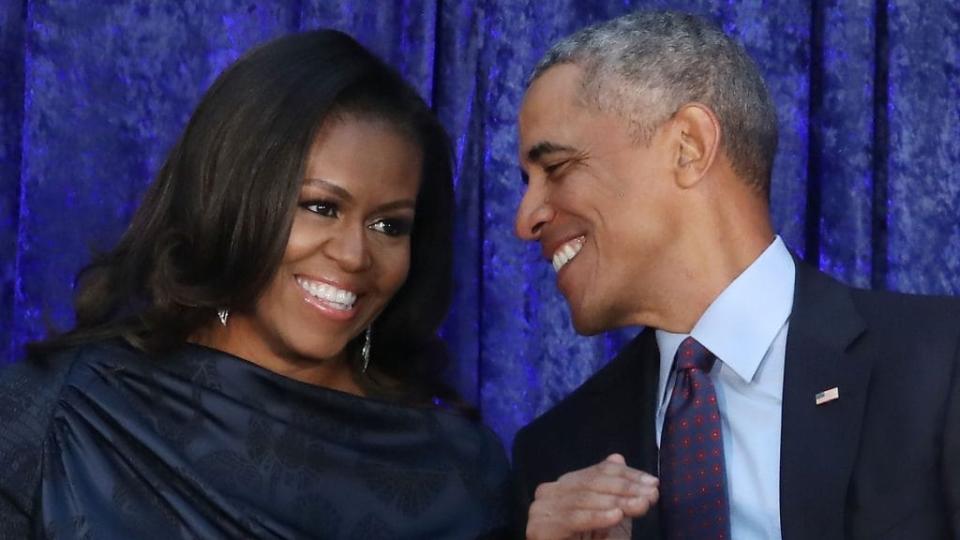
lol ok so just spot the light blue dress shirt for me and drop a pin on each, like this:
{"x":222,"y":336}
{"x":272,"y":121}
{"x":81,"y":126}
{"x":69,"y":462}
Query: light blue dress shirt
{"x":746,"y":328}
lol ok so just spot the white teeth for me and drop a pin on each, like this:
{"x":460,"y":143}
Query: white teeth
{"x":566,"y":253}
{"x":558,"y":261}
{"x":335,"y":297}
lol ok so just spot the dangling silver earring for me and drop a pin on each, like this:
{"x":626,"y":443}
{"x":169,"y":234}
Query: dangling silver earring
{"x":224,"y":314}
{"x":365,"y":352}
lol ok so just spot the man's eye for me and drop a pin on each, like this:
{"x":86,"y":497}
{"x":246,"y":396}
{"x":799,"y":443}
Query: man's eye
{"x":554,"y":167}
{"x":323,"y":208}
{"x":392,"y":227}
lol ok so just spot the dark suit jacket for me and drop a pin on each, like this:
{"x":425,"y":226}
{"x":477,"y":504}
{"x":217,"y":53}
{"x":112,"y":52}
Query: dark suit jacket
{"x":882,"y":461}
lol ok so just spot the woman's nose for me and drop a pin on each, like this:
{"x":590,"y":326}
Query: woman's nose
{"x":349,"y":248}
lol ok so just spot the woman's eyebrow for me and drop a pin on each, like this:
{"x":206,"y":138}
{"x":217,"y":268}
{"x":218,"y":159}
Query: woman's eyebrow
{"x":401,"y":204}
{"x":348,"y":197}
{"x":329,"y":186}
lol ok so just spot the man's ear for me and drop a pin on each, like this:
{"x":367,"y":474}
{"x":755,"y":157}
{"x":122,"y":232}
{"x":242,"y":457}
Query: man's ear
{"x":697,"y":142}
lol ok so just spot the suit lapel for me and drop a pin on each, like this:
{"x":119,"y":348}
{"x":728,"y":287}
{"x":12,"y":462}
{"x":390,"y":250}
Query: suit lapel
{"x":648,"y":527}
{"x":819,"y":442}
{"x":624,"y":415}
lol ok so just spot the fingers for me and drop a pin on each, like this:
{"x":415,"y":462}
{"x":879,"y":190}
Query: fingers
{"x":558,"y":495}
{"x":639,"y":506}
{"x":595,"y":498}
{"x":547,"y":523}
{"x":608,"y":477}
{"x":616,"y":458}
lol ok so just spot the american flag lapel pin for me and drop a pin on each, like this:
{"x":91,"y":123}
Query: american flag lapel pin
{"x":827,"y":395}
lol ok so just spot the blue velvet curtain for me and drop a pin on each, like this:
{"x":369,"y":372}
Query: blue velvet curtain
{"x":868,"y":93}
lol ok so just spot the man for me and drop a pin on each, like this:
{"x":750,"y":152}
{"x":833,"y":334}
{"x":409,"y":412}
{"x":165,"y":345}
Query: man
{"x":764,"y":399}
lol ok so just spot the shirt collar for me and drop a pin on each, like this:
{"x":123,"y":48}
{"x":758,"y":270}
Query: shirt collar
{"x":741,"y":324}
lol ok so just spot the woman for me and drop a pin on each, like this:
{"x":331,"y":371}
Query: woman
{"x":258,"y":358}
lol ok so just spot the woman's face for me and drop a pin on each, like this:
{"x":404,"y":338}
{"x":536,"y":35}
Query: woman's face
{"x":348,"y":251}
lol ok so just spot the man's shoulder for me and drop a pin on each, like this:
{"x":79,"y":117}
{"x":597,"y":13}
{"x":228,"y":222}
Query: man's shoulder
{"x":612,"y":412}
{"x":912,"y":337}
{"x":905,"y":308}
{"x":579,"y":410}
{"x":882,"y":310}
{"x":899,"y":315}
{"x":903,"y":336}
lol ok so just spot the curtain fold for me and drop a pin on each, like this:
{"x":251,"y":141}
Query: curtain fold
{"x":12,"y":17}
{"x":844,"y":141}
{"x":923,"y":189}
{"x":865,"y":183}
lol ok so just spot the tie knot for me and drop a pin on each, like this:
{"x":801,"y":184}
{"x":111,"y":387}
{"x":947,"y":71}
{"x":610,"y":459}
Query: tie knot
{"x":693,"y":355}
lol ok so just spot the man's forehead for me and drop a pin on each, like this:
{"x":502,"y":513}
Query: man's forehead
{"x":560,"y":83}
{"x":548,"y":105}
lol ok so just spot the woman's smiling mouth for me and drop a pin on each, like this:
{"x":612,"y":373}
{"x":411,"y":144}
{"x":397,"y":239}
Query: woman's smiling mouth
{"x":332,"y":300}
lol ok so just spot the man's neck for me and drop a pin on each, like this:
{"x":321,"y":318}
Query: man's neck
{"x":711,"y":263}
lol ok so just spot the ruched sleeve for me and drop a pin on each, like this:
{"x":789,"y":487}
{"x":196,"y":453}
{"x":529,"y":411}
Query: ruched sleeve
{"x":28,"y":393}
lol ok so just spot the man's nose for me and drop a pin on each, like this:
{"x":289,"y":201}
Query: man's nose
{"x":534,"y":212}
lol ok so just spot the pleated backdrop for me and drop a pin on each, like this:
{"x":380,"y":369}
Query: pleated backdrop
{"x":93,"y":94}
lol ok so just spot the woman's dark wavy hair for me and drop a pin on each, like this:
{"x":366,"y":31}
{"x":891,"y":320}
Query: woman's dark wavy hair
{"x":213,"y":226}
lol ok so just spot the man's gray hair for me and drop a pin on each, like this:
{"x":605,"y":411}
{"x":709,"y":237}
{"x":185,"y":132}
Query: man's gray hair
{"x":648,"y":64}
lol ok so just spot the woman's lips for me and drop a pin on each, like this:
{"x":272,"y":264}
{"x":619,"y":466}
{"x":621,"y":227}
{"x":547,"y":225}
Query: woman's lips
{"x":328,"y":299}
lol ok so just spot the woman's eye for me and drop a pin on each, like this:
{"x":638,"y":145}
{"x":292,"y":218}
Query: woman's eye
{"x":392,"y":227}
{"x":323,"y":208}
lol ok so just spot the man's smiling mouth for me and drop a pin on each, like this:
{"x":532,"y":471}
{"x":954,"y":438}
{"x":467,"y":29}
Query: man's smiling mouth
{"x":565,"y":253}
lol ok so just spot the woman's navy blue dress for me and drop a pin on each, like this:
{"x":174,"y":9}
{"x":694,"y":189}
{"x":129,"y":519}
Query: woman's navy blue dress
{"x":104,"y":442}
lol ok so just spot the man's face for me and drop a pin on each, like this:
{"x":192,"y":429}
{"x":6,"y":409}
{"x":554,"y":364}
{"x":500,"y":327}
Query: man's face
{"x":603,"y":206}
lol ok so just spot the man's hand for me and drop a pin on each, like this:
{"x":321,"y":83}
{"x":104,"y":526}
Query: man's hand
{"x":596,"y":502}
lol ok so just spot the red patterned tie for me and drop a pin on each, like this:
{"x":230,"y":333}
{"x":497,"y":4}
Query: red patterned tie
{"x":693,"y":481}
